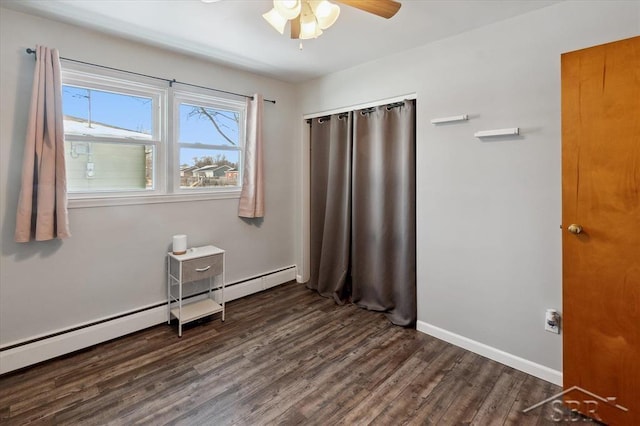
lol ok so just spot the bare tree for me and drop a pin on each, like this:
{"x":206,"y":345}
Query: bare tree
{"x":218,"y":160}
{"x":202,"y":161}
{"x":223,"y":121}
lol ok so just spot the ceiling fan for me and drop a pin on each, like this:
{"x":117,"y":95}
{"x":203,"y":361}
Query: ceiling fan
{"x":309,"y":17}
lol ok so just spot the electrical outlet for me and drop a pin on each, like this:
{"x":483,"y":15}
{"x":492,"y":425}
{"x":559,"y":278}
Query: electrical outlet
{"x":552,"y":321}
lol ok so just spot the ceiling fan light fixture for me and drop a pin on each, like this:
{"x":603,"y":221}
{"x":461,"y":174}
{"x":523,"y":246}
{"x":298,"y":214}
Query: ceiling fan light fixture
{"x":325,"y":12}
{"x":288,"y":9}
{"x":309,"y":28}
{"x":276,"y":20}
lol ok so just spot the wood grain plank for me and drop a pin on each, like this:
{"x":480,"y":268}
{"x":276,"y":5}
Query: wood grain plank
{"x":497,"y":405}
{"x":284,"y":356}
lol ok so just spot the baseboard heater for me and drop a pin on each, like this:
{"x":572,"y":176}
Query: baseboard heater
{"x":32,"y":351}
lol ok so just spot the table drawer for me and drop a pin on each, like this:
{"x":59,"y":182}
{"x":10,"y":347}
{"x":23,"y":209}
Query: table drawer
{"x":201,"y":268}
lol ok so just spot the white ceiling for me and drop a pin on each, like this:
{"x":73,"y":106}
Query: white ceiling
{"x":233,"y":32}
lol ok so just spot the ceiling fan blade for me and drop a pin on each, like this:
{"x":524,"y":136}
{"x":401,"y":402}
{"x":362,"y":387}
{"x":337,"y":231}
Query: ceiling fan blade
{"x":383,"y":8}
{"x":295,"y":27}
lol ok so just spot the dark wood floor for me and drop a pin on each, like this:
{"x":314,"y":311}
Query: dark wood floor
{"x":284,"y":356}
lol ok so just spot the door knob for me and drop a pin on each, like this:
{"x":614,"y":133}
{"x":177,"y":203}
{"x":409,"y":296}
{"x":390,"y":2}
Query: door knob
{"x":574,"y":229}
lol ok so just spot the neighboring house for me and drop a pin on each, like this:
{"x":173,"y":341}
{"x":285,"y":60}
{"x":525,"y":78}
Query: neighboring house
{"x":211,"y":175}
{"x":105,"y":166}
{"x":187,"y":171}
{"x":186,"y":176}
{"x":212,"y":171}
{"x":231,"y":174}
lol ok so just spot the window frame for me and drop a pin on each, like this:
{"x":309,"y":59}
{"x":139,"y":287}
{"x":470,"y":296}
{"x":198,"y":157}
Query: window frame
{"x":166,"y":167}
{"x":201,"y":99}
{"x":115,"y":83}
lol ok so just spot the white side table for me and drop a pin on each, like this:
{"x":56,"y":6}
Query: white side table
{"x":196,"y":264}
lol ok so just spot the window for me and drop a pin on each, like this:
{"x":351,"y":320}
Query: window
{"x":209,"y":134}
{"x":113,"y":135}
{"x":117,"y":142}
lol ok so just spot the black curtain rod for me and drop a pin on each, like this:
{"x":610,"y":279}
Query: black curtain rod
{"x":170,"y":81}
{"x":362,"y":111}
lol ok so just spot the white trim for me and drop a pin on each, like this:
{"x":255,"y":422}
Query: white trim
{"x":361,"y":106}
{"x":70,"y":341}
{"x":279,"y":277}
{"x":32,"y":353}
{"x":197,"y":99}
{"x":524,"y":365}
{"x":243,"y":289}
{"x":291,"y":274}
{"x":303,"y":257}
{"x":164,"y":138}
{"x":118,"y":83}
{"x":123,"y":200}
{"x":84,"y":324}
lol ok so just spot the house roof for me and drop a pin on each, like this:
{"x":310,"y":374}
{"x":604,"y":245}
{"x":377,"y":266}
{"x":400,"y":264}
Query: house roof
{"x":209,"y":167}
{"x":78,"y":126}
{"x":213,"y":167}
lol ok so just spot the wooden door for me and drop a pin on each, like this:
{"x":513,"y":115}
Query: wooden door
{"x":601,"y":264}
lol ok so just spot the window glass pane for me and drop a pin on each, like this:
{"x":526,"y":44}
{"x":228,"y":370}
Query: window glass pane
{"x":95,"y":166}
{"x":107,"y":114}
{"x":200,"y":168}
{"x":209,"y":126}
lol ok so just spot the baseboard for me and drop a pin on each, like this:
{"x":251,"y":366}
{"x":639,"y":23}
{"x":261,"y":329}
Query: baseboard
{"x":42,"y":350}
{"x":279,"y":277}
{"x":61,"y":343}
{"x":243,"y":289}
{"x":529,"y":367}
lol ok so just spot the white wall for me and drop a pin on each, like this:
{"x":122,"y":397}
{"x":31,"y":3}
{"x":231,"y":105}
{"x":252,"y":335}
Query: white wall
{"x":488,"y":213}
{"x":115,"y":261}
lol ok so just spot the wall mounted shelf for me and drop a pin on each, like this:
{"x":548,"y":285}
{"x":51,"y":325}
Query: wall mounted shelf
{"x":497,"y":132}
{"x":451,"y":119}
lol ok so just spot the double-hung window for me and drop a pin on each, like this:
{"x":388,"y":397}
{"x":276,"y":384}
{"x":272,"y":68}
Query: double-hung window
{"x":135,"y":140}
{"x":115,"y":138}
{"x":209,"y":135}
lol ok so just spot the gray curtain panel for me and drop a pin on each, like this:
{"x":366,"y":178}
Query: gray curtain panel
{"x":330,"y":205}
{"x":363,"y":209}
{"x":383,"y":259}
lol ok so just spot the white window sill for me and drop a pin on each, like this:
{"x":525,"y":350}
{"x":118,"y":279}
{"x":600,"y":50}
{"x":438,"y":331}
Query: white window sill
{"x":80,"y":202}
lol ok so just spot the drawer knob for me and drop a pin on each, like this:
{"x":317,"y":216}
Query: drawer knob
{"x":203,"y":269}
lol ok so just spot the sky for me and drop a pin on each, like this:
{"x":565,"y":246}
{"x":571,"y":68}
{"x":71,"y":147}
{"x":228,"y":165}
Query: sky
{"x":135,"y":114}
